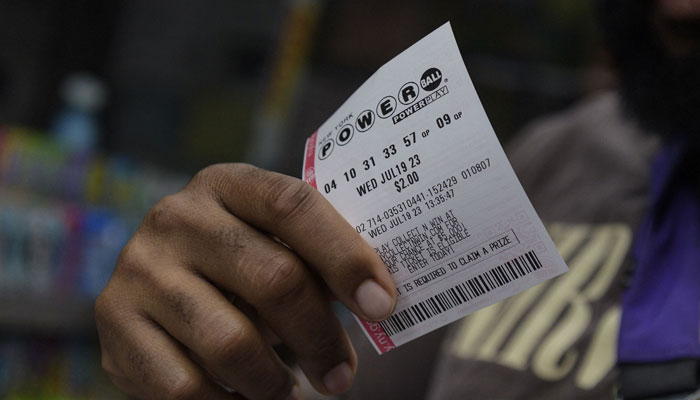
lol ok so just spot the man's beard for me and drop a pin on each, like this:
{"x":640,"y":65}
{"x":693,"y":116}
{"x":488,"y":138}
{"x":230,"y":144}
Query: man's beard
{"x":660,"y":89}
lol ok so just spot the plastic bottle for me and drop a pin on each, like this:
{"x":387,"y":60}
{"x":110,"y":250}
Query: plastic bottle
{"x":76,"y":127}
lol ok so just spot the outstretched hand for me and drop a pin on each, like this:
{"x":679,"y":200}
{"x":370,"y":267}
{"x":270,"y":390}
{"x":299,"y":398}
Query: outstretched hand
{"x":238,"y":254}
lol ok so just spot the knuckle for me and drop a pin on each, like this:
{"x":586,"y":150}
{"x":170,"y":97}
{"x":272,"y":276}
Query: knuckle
{"x":104,"y":309}
{"x":217,"y":177}
{"x":280,"y":279}
{"x":137,"y":271}
{"x":206,"y":176}
{"x":184,"y":386}
{"x":234,"y":344}
{"x":130,"y":257}
{"x":170,"y":213}
{"x":109,"y":310}
{"x":354,"y":254}
{"x":113,"y":314}
{"x":101,"y":306}
{"x":133,"y":261}
{"x":290,"y":198}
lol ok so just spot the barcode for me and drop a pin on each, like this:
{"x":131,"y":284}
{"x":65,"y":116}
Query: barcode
{"x":462,"y":293}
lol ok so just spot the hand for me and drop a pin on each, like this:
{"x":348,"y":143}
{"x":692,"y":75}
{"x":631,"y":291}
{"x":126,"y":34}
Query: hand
{"x":167,"y":325}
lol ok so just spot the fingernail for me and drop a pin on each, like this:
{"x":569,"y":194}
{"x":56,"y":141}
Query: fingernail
{"x":374,"y":302}
{"x":294,"y":394}
{"x":339,"y":379}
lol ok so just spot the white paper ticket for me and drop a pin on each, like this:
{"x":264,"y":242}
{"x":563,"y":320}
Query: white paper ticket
{"x":412,"y":162}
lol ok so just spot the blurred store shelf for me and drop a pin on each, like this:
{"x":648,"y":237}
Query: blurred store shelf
{"x":46,"y":313}
{"x":65,"y":214}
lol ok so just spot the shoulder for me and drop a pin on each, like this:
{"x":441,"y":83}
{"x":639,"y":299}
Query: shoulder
{"x":572,"y":162}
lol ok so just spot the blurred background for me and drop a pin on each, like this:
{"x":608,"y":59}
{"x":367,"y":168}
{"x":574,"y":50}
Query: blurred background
{"x":106,"y":106}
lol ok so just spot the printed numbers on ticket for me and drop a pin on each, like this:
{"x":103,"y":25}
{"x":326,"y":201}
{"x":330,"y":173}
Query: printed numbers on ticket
{"x":412,"y":162}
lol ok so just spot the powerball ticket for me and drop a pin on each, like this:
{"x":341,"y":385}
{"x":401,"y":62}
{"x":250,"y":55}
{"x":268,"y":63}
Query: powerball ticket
{"x":412,"y":162}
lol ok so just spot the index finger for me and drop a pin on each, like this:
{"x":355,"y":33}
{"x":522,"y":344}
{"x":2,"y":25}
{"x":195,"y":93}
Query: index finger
{"x":304,"y":220}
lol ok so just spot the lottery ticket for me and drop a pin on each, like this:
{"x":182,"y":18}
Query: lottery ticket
{"x":412,"y":162}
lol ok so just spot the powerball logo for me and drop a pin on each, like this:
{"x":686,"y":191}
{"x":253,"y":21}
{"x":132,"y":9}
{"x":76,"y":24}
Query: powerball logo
{"x":409,"y":98}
